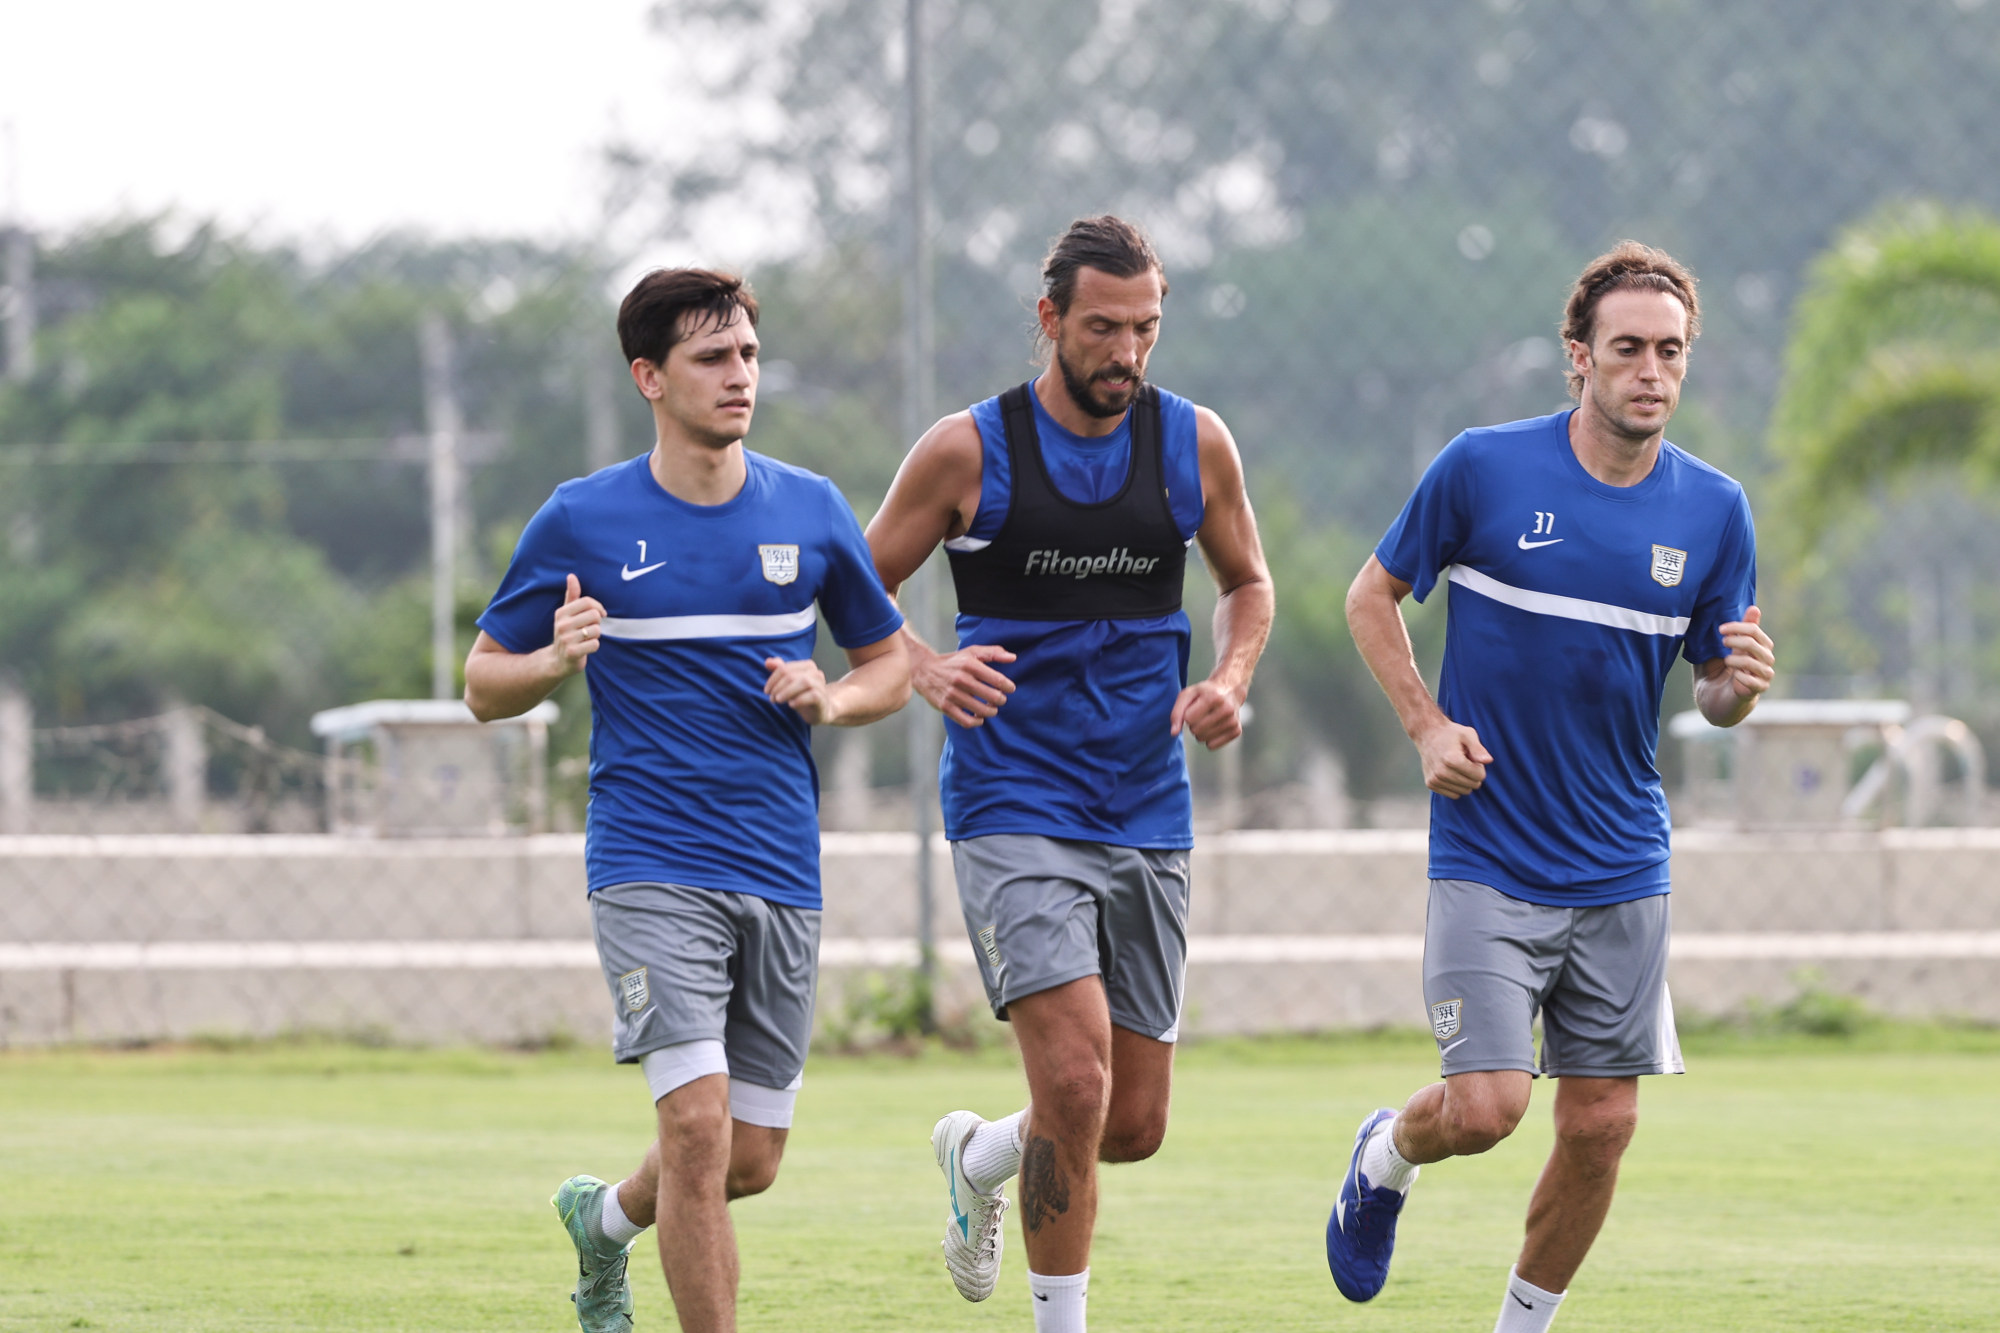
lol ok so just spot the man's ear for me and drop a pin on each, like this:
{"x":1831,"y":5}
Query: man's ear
{"x":1579,"y":356}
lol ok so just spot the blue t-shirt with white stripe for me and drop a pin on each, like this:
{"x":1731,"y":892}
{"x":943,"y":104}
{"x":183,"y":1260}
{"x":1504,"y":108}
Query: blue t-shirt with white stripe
{"x":696,"y":777}
{"x":1082,"y":748}
{"x":1569,"y":599}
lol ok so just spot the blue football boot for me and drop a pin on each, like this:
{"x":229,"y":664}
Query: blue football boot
{"x":1361,"y":1233}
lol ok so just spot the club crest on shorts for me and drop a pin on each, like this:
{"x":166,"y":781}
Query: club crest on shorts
{"x":1444,"y":1018}
{"x":781,"y":563}
{"x":1668,"y":566}
{"x":632,"y":989}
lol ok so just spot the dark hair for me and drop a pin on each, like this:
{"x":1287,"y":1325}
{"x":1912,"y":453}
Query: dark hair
{"x":1626,"y":266}
{"x":1106,"y":243}
{"x":671,"y":305}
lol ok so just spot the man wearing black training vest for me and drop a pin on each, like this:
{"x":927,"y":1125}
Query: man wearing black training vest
{"x":1067,"y":505}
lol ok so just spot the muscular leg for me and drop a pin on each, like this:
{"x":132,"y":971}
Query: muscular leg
{"x":1065,"y":1036}
{"x":1464,"y":1115}
{"x":1595,"y":1119}
{"x":703,"y":1160}
{"x":1142,"y":1077}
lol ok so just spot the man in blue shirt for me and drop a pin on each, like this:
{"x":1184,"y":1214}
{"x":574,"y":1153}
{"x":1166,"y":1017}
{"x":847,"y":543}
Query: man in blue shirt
{"x":1583,"y":552}
{"x":689,"y":581}
{"x":1067,"y":506}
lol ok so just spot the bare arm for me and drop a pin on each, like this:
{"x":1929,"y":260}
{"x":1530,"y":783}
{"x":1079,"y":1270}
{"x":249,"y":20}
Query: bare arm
{"x":934,"y":498}
{"x":877,"y":683}
{"x":1211,"y":709}
{"x":1454,"y":760}
{"x":1727,"y":688}
{"x":499,"y":683}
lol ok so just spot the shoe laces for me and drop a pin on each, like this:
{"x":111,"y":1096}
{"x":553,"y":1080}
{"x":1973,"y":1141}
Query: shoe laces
{"x":610,"y":1271}
{"x":993,"y":1208}
{"x":1372,"y":1215}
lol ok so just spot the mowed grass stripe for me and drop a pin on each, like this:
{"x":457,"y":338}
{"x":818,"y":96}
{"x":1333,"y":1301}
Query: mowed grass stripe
{"x":1781,"y":1185}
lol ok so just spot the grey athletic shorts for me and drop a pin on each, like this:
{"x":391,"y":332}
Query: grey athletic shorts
{"x":1045,"y":911}
{"x":1598,"y":975}
{"x":689,"y":964}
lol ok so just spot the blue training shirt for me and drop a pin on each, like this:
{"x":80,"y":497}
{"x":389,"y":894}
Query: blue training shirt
{"x":1569,"y":599}
{"x":697,"y":778}
{"x":1081,"y":749}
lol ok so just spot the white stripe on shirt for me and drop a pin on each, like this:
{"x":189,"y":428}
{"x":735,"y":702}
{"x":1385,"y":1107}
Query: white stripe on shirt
{"x":660,"y":628}
{"x":1569,"y":608}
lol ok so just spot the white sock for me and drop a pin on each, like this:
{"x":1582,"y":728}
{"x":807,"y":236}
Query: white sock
{"x":1526,"y":1308}
{"x":1059,"y":1301}
{"x":618,"y":1228}
{"x":1383,"y":1165}
{"x":993,"y":1152}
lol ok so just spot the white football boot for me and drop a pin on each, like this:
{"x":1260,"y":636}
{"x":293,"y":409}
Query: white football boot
{"x":972,"y":1235}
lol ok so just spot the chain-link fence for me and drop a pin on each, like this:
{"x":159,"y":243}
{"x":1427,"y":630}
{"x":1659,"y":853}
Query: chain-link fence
{"x":149,"y":938}
{"x":1370,"y":216}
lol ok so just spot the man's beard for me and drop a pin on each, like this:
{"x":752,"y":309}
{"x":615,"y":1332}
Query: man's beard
{"x":1613,"y":412}
{"x":1084,"y":392}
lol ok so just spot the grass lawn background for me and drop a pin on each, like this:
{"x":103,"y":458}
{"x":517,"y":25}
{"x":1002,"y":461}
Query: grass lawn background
{"x":1788,"y":1182}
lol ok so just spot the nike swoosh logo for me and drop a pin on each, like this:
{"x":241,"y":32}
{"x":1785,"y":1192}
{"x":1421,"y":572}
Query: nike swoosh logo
{"x":628,"y":573}
{"x":1454,"y":1046}
{"x":1525,"y":1305}
{"x":964,"y":1220}
{"x":1040,"y":1297}
{"x":1527,"y":545}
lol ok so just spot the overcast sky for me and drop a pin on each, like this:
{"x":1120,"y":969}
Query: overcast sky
{"x":327,"y":121}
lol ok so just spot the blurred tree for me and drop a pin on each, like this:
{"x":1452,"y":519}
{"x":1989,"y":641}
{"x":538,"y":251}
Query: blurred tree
{"x":1894,"y":364}
{"x":266,"y":589}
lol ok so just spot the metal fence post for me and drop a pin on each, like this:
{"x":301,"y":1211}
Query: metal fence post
{"x":919,"y":395}
{"x":441,"y":417}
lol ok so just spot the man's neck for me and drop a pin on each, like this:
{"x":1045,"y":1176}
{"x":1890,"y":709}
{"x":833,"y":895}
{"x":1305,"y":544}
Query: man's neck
{"x":697,"y":473}
{"x":1612,"y":457}
{"x":1053,"y":390}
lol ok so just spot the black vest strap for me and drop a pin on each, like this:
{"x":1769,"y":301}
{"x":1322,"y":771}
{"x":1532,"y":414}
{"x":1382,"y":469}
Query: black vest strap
{"x":1054,"y":558}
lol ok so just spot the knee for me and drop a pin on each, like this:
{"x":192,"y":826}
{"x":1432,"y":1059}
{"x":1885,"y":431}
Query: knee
{"x":693,"y":1124}
{"x":1478,"y":1125}
{"x":1596,"y":1137}
{"x":752,"y":1177}
{"x":1133,"y":1139}
{"x":1077,"y":1096}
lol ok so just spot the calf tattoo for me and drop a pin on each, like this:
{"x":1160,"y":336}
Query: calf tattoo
{"x":1044,"y":1192}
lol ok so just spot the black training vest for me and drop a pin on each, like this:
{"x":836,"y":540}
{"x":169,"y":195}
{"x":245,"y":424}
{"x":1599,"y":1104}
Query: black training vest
{"x":1054,"y":559}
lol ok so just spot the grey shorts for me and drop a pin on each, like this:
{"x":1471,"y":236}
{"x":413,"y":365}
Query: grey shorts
{"x":1045,"y":911}
{"x":689,"y":964}
{"x":1597,"y":974}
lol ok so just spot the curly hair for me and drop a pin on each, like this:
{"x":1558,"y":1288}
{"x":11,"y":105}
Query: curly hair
{"x":1626,"y":266}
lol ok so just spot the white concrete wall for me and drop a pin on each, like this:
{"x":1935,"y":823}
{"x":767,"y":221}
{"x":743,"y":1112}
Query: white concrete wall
{"x":133,"y":938}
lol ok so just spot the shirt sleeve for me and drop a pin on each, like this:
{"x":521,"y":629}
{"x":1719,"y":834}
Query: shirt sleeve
{"x":521,"y":616}
{"x":1728,"y":591}
{"x":1426,"y":537}
{"x":857,"y":609}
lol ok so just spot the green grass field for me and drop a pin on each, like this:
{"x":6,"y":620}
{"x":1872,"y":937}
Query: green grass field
{"x":1787,"y":1183}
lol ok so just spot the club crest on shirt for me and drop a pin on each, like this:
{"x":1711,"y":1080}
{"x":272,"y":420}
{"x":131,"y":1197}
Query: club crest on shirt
{"x":781,"y":563}
{"x":1444,"y":1018}
{"x":632,"y":989}
{"x":1668,"y":566}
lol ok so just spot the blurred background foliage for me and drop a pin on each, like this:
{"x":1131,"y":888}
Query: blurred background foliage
{"x":1370,"y":217}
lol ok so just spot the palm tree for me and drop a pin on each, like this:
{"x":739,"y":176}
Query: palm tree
{"x":1894,"y":364}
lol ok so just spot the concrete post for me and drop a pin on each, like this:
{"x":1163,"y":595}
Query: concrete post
{"x":186,"y":766}
{"x":17,"y":760}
